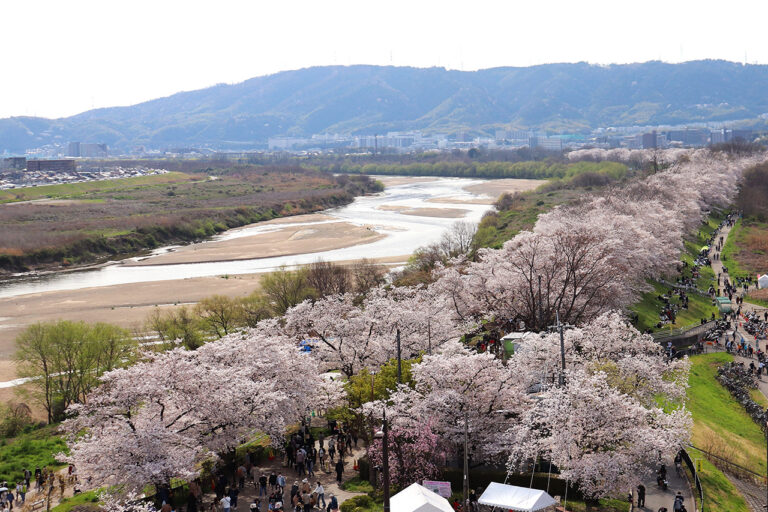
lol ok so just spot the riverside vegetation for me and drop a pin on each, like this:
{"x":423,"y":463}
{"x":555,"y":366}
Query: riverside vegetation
{"x":88,"y":222}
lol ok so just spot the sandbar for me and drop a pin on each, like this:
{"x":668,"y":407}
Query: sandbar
{"x":126,"y":305}
{"x":445,"y":213}
{"x":393,"y":181}
{"x":285,"y":241}
{"x":489,"y":191}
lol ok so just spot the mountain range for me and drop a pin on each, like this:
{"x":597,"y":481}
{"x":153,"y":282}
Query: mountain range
{"x":376,"y":99}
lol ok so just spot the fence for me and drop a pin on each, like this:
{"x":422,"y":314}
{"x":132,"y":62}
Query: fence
{"x":696,"y":480}
{"x":689,"y":331}
{"x":685,"y":288}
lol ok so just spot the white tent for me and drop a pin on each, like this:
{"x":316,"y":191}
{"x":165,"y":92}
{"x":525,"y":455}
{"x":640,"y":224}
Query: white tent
{"x":417,"y":498}
{"x":762,"y":281}
{"x":516,"y":498}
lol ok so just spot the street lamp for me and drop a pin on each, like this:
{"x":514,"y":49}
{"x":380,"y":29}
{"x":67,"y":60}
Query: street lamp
{"x":384,"y":436}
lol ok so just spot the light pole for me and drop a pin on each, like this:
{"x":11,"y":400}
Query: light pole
{"x":560,"y":328}
{"x":385,"y":455}
{"x":371,"y":468}
{"x":383,"y":434}
{"x":466,"y":465}
{"x":399,"y":366}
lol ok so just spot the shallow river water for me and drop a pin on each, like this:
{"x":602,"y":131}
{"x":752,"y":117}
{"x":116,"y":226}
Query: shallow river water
{"x":405,"y":233}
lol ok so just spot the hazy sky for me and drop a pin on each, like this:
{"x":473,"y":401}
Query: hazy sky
{"x":61,"y":57}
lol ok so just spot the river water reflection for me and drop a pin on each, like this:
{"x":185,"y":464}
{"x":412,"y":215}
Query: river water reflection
{"x":405,"y":233}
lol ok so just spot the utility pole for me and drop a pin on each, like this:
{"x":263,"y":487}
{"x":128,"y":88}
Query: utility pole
{"x":466,"y":464}
{"x":399,"y":363}
{"x":371,"y":468}
{"x":540,"y":323}
{"x":429,"y":338}
{"x":385,"y":455}
{"x":560,"y":328}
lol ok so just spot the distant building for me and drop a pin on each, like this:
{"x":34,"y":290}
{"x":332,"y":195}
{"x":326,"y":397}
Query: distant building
{"x":548,"y":143}
{"x":15,"y":163}
{"x":650,"y":141}
{"x":94,"y":150}
{"x":51,"y":165}
{"x":87,"y":150}
{"x":692,"y":137}
{"x":74,"y":150}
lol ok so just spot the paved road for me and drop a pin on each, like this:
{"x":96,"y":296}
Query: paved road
{"x":655,"y":497}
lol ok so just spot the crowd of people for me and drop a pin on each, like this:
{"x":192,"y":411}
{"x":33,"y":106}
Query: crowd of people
{"x":44,"y":485}
{"x":305,"y":457}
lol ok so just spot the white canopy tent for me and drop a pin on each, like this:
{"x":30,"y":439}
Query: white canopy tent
{"x":762,"y":281}
{"x":417,"y":498}
{"x":519,"y":499}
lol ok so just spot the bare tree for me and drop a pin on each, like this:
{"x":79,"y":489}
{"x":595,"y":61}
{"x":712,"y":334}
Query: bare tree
{"x":328,"y":278}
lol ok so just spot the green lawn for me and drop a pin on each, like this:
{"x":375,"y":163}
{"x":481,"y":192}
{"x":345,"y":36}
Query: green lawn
{"x":29,"y":451}
{"x":732,"y":246}
{"x":719,"y":492}
{"x":721,"y":426}
{"x":87,"y":500}
{"x":649,"y":306}
{"x":74,"y":190}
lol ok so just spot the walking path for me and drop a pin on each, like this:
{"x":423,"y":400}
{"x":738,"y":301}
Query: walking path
{"x":656,"y":497}
{"x":754,"y":494}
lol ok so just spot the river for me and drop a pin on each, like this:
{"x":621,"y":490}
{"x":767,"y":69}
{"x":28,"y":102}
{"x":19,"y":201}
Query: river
{"x":404,"y":234}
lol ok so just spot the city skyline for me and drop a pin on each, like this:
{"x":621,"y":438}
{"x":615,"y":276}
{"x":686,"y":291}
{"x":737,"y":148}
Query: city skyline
{"x":120,"y":53}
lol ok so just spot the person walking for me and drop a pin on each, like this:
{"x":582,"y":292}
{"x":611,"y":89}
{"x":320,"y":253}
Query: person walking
{"x":225,"y":503}
{"x":320,"y":491}
{"x":678,"y":505}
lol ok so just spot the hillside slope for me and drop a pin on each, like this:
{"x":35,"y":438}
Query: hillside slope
{"x":375,"y":99}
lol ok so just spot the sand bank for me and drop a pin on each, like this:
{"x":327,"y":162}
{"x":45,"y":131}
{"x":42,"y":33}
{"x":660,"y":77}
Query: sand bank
{"x":445,"y":213}
{"x":285,"y":241}
{"x":126,"y":305}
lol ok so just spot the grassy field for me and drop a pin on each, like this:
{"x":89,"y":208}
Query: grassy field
{"x":746,"y":250}
{"x":649,"y":306}
{"x":721,"y":426}
{"x":86,"y":222}
{"x":86,"y":500}
{"x":29,"y":451}
{"x":746,"y":254}
{"x":77,"y":190}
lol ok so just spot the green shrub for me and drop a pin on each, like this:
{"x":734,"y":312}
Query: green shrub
{"x":357,"y":502}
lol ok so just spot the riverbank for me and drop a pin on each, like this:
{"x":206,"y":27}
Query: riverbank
{"x":128,"y":303}
{"x":78,"y":225}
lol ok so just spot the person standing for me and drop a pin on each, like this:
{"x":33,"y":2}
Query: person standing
{"x":641,"y":495}
{"x":339,"y":470}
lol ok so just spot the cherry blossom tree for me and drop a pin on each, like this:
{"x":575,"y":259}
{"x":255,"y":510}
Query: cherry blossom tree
{"x":415,"y":454}
{"x":356,"y":335}
{"x":455,"y":389}
{"x":161,"y":417}
{"x":620,"y":408}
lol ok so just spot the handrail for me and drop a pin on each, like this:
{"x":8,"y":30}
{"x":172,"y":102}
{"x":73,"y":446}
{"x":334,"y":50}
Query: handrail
{"x":697,"y":482}
{"x":683,"y":330}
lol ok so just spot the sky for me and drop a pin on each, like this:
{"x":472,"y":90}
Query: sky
{"x":59,"y":57}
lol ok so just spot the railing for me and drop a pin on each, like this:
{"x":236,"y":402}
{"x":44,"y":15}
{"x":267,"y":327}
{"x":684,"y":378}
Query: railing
{"x":684,"y":287}
{"x":696,"y":480}
{"x":684,"y":331}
